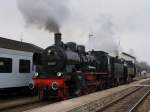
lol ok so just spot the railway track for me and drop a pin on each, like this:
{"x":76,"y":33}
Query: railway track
{"x":22,"y":103}
{"x":144,"y":106}
{"x":134,"y":108}
{"x":26,"y":106}
{"x":128,"y":103}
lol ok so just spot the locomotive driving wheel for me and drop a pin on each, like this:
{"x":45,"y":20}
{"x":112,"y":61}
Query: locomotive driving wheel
{"x":41,"y":96}
{"x":77,"y":85}
{"x":91,"y":89}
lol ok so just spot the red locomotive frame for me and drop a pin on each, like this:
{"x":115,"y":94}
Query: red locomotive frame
{"x":57,"y":86}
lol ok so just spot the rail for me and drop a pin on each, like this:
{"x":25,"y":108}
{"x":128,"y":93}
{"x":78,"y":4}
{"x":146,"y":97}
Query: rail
{"x":139,"y":102}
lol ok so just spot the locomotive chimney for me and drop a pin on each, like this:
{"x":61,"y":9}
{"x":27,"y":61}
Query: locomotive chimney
{"x":57,"y":38}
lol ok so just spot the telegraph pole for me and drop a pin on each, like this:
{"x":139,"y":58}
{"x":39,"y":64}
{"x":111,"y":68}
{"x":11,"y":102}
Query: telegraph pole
{"x":90,"y":41}
{"x":21,"y":37}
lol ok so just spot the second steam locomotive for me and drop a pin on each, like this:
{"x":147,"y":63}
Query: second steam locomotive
{"x":69,"y":71}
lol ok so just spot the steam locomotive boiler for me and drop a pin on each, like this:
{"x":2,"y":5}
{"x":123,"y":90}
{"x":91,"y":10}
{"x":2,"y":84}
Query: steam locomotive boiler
{"x":61,"y":73}
{"x":69,"y":71}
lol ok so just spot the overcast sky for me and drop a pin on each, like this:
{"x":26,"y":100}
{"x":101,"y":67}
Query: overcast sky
{"x":130,"y":20}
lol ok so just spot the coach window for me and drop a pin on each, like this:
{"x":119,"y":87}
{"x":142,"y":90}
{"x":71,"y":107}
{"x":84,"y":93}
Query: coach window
{"x":5,"y":65}
{"x":24,"y":66}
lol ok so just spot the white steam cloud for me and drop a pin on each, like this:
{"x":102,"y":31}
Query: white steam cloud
{"x":103,"y":37}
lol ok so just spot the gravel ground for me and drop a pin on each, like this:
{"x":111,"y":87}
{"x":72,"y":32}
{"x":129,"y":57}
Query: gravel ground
{"x":145,"y":106}
{"x":26,"y":107}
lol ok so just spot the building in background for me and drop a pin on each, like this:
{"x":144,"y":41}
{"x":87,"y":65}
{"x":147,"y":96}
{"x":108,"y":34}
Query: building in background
{"x":128,"y":57}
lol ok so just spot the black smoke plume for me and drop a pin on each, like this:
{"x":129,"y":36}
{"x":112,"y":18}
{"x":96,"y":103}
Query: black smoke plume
{"x":47,"y":14}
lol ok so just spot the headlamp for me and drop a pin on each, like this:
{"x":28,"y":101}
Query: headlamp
{"x":36,"y":74}
{"x":59,"y":74}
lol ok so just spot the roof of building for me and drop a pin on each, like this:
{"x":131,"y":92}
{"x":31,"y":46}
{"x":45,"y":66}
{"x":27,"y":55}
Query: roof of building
{"x":128,"y":55}
{"x":18,"y":45}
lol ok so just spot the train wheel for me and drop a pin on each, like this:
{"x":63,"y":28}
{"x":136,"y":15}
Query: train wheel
{"x":116,"y":83}
{"x":94,"y":88}
{"x":65,"y":94}
{"x":77,"y":84}
{"x":91,"y":89}
{"x":103,"y":85}
{"x":129,"y":79}
{"x":88,"y":90}
{"x":41,"y":96}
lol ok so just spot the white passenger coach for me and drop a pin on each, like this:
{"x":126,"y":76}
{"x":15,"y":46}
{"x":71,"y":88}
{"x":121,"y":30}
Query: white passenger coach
{"x":17,"y":63}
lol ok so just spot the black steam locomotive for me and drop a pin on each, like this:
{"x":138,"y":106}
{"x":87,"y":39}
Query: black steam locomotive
{"x":69,"y":71}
